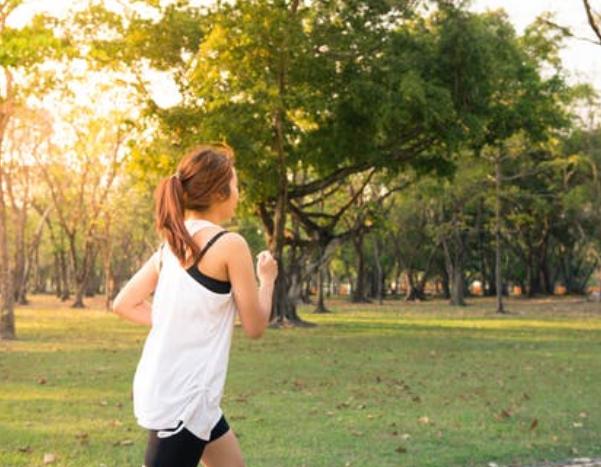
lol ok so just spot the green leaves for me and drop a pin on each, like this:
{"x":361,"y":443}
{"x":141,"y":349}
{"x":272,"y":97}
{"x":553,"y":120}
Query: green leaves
{"x":495,"y":76}
{"x":33,"y":44}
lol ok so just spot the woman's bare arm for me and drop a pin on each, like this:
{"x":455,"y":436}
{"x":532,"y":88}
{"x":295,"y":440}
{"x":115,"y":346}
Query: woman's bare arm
{"x":131,"y":302}
{"x":253,"y":303}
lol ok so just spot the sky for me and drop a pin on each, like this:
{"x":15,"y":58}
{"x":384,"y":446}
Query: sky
{"x":581,"y":58}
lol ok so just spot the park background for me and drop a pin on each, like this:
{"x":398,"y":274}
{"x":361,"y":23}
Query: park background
{"x":425,"y":173}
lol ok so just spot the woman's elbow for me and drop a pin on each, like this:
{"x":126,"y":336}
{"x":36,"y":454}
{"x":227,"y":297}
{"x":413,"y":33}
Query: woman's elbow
{"x":256,"y":330}
{"x":117,"y":306}
{"x":254,"y":334}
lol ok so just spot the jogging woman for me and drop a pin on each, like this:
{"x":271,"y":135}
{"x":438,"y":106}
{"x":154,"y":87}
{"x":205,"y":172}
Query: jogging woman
{"x":201,"y":276}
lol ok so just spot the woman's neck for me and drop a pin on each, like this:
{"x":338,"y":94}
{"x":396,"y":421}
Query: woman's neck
{"x":207,"y":216}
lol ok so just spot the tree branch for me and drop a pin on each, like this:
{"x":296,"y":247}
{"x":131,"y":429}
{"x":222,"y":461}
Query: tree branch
{"x":591,"y":19}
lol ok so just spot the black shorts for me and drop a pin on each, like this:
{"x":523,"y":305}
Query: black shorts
{"x":183,"y":449}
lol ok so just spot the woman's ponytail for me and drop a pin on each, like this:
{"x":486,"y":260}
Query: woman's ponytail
{"x":169,"y":218}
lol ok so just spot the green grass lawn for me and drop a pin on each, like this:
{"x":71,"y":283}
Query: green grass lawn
{"x":392,"y":385}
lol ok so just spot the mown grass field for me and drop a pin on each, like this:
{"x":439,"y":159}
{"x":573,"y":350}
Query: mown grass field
{"x":390,"y":385}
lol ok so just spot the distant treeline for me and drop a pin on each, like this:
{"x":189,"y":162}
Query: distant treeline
{"x":383,"y":148}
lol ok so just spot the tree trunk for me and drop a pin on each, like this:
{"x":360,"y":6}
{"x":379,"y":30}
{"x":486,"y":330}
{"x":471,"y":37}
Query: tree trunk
{"x":65,"y":293}
{"x":106,"y":262}
{"x":547,"y":282}
{"x":20,"y":223}
{"x":534,"y":286}
{"x":446,"y":288}
{"x":31,"y":258}
{"x":414,"y":293}
{"x":454,"y":266}
{"x":491,"y":271}
{"x":321,"y":307}
{"x":359,"y":295}
{"x":283,"y":308}
{"x":482,"y":255}
{"x":7,"y":314}
{"x":83,"y":275}
{"x":379,"y":275}
{"x":457,"y":288}
{"x":397,"y":280}
{"x":35,"y":270}
{"x":498,"y":277}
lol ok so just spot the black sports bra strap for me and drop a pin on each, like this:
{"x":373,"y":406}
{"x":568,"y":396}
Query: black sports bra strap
{"x":208,"y":245}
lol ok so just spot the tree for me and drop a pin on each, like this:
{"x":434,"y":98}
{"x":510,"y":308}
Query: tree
{"x":412,"y":241}
{"x":23,"y":50}
{"x":331,"y":88}
{"x":80,"y":201}
{"x":25,"y":136}
{"x":499,"y":89}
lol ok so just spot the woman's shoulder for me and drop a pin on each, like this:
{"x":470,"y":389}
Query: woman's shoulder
{"x":232,"y":242}
{"x":217,"y":237}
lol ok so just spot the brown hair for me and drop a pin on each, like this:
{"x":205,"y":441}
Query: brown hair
{"x":202,"y":175}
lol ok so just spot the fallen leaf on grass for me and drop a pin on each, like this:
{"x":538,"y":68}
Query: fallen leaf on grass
{"x":25,"y":449}
{"x":503,"y":415}
{"x":299,"y":384}
{"x":49,"y":458}
{"x":534,"y":424}
{"x":124,"y":442}
{"x":577,"y":425}
{"x":423,"y":420}
{"x":583,"y":415}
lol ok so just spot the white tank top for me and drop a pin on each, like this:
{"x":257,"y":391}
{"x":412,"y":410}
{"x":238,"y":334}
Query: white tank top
{"x":180,"y":377}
